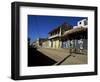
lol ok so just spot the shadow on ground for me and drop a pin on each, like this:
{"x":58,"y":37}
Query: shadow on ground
{"x":36,"y":58}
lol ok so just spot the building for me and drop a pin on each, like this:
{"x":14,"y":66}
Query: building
{"x":39,"y":42}
{"x":76,"y":38}
{"x":45,"y":44}
{"x":55,"y":40}
{"x":82,"y":23}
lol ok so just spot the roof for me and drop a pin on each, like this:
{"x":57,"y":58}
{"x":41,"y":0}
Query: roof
{"x":43,"y":39}
{"x":75,"y":30}
{"x":64,"y":25}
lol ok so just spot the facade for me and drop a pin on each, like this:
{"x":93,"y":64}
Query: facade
{"x":45,"y":44}
{"x":39,"y":42}
{"x":77,"y":37}
{"x":55,"y":40}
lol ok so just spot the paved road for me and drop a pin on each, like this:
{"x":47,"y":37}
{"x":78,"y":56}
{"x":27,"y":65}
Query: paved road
{"x":62,"y":56}
{"x":55,"y":54}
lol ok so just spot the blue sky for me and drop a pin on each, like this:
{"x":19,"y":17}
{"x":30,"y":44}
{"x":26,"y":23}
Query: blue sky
{"x":39,"y":26}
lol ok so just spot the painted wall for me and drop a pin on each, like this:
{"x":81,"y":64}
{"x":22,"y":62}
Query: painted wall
{"x":81,"y":23}
{"x":54,"y":43}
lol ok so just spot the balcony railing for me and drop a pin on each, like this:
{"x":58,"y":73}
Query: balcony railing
{"x":53,"y":36}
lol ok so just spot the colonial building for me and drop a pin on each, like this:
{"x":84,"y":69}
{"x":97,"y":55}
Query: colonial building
{"x":76,"y":38}
{"x":55,"y":40}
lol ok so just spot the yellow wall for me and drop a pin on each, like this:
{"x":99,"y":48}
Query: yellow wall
{"x":56,"y":44}
{"x":53,"y":44}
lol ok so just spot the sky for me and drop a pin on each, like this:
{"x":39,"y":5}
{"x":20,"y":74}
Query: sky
{"x":39,"y":26}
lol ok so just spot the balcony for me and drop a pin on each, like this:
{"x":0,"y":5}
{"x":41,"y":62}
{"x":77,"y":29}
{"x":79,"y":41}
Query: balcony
{"x":54,"y":36}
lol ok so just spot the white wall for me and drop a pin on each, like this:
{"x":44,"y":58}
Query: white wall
{"x":82,"y":23}
{"x":5,"y":42}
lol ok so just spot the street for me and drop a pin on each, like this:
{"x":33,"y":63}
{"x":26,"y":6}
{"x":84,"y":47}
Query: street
{"x":63,"y":57}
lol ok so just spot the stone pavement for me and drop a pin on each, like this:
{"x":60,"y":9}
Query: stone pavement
{"x":63,"y":57}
